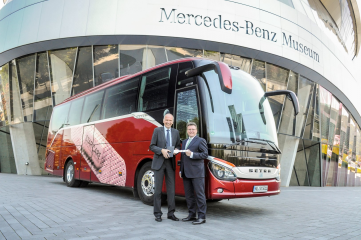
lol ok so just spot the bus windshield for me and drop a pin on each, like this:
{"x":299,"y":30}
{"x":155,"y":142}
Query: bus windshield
{"x":242,"y":115}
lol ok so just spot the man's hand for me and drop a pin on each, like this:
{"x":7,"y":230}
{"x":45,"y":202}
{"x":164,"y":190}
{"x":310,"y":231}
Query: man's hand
{"x":165,"y":153}
{"x":188,"y":153}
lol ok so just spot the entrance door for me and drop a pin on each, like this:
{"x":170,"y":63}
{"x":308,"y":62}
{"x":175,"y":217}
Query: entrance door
{"x":187,"y":110}
{"x":86,"y":152}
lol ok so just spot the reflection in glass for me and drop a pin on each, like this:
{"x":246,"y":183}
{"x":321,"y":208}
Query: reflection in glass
{"x":226,"y":58}
{"x":15,"y":104}
{"x":83,"y":76}
{"x":174,"y":53}
{"x":259,"y":72}
{"x":334,"y":131}
{"x":187,"y":111}
{"x":155,"y":55}
{"x":342,"y":160}
{"x":75,"y":112}
{"x":288,"y":115}
{"x":276,"y":80}
{"x":131,"y":58}
{"x":301,"y":166}
{"x":61,"y":70}
{"x":331,"y":167}
{"x":92,"y":107}
{"x":326,"y":156}
{"x":212,"y":55}
{"x":304,"y":95}
{"x":316,"y":119}
{"x":26,"y":70}
{"x":325,"y":107}
{"x":153,"y":91}
{"x":42,"y":99}
{"x":313,"y":163}
{"x":105,"y":63}
{"x":121,"y":99}
{"x":5,"y":93}
{"x":59,"y":117}
{"x":242,"y":63}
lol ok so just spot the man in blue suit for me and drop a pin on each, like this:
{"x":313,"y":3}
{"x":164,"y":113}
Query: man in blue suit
{"x":192,"y":172}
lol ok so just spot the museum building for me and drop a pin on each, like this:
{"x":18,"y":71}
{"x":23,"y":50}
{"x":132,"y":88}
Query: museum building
{"x":53,"y":49}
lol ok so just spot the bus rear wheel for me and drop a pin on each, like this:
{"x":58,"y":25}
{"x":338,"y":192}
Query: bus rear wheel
{"x":145,"y":184}
{"x":69,"y":175}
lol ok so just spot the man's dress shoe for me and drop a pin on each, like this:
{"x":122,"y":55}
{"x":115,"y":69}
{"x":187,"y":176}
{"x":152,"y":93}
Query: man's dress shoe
{"x":189,"y":218}
{"x":199,"y":221}
{"x":158,"y":219}
{"x":174,"y":218}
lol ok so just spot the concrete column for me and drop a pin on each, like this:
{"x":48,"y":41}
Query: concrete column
{"x":24,"y":146}
{"x":288,"y":146}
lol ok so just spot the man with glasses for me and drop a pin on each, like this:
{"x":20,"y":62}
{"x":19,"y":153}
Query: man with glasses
{"x":192,"y":172}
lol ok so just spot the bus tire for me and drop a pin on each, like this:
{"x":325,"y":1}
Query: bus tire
{"x":145,"y":184}
{"x":69,"y":175}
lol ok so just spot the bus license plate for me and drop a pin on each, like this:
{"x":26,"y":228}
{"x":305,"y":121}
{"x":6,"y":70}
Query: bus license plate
{"x":260,"y":188}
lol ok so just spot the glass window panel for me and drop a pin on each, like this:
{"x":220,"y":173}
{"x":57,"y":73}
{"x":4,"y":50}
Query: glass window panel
{"x":301,"y":167}
{"x":105,"y":63}
{"x":75,"y":112}
{"x":304,"y":95}
{"x":294,"y":181}
{"x":61,"y":70}
{"x":325,"y":107}
{"x":174,"y":53}
{"x":42,"y":100}
{"x":308,"y":127}
{"x":212,"y":55}
{"x":352,"y":135}
{"x":92,"y":107}
{"x":276,"y":80}
{"x":154,"y":89}
{"x":288,"y":114}
{"x":334,"y":131}
{"x":38,"y":131}
{"x":83,"y":76}
{"x":259,"y":72}
{"x":331,"y":179}
{"x":187,"y":111}
{"x":59,"y":117}
{"x":26,"y":70}
{"x":5,"y":92}
{"x":131,"y":58}
{"x":326,"y":156}
{"x":316,"y":119}
{"x":242,"y":63}
{"x":155,"y":55}
{"x":15,"y":102}
{"x":121,"y":99}
{"x":313,"y":164}
{"x":226,"y":58}
{"x":7,"y":160}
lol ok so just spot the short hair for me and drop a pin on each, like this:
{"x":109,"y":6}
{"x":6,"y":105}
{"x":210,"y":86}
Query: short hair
{"x":191,"y":124}
{"x":168,"y":114}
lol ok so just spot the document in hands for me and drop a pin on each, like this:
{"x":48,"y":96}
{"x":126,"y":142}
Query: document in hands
{"x":179,"y":151}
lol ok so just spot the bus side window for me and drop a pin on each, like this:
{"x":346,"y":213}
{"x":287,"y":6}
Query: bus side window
{"x":121,"y":99}
{"x":75,"y":112}
{"x":154,"y":89}
{"x":182,"y":79}
{"x":59,"y":117}
{"x":92,"y":107}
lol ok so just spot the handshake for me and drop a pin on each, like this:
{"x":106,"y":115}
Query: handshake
{"x":176,"y":151}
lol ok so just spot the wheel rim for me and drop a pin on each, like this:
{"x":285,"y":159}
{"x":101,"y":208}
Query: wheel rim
{"x":70,"y":173}
{"x":148,"y":183}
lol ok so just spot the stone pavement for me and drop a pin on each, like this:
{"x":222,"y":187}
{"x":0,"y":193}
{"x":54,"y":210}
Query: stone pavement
{"x":42,"y":207}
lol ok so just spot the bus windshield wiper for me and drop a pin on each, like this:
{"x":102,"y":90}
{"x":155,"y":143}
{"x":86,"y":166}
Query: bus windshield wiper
{"x":91,"y":115}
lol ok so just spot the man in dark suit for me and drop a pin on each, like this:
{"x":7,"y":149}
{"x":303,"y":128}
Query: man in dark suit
{"x":163,"y":165}
{"x":192,"y":172}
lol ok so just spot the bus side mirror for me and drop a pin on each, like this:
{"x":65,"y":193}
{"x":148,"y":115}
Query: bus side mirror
{"x":223,"y":71}
{"x":290,"y":95}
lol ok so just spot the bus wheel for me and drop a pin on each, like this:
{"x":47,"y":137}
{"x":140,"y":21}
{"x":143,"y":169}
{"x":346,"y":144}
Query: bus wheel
{"x":145,"y":184}
{"x":69,"y":175}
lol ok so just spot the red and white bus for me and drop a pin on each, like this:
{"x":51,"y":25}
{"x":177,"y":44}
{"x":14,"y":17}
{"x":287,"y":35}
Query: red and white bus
{"x":102,"y":135}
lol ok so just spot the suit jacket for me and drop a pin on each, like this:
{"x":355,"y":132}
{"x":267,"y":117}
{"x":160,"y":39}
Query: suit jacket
{"x":194,"y":167}
{"x":159,"y":142}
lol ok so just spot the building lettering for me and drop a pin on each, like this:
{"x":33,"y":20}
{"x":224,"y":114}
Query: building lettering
{"x":249,"y":28}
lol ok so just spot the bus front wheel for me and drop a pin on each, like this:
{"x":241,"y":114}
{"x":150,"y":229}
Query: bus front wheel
{"x":69,"y":175}
{"x":145,"y":184}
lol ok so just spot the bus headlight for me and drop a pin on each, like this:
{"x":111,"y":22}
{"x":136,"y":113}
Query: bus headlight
{"x":221,"y":172}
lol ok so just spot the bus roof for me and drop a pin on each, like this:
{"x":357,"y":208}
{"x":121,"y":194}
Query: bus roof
{"x":124,"y":78}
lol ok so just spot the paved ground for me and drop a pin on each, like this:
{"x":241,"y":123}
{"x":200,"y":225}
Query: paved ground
{"x":33,"y":207}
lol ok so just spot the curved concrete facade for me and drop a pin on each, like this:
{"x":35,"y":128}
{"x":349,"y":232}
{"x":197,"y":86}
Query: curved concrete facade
{"x":264,"y":29}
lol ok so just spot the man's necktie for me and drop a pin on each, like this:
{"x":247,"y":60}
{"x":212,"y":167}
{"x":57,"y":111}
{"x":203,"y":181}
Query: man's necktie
{"x":168,"y":138}
{"x":188,"y":142}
